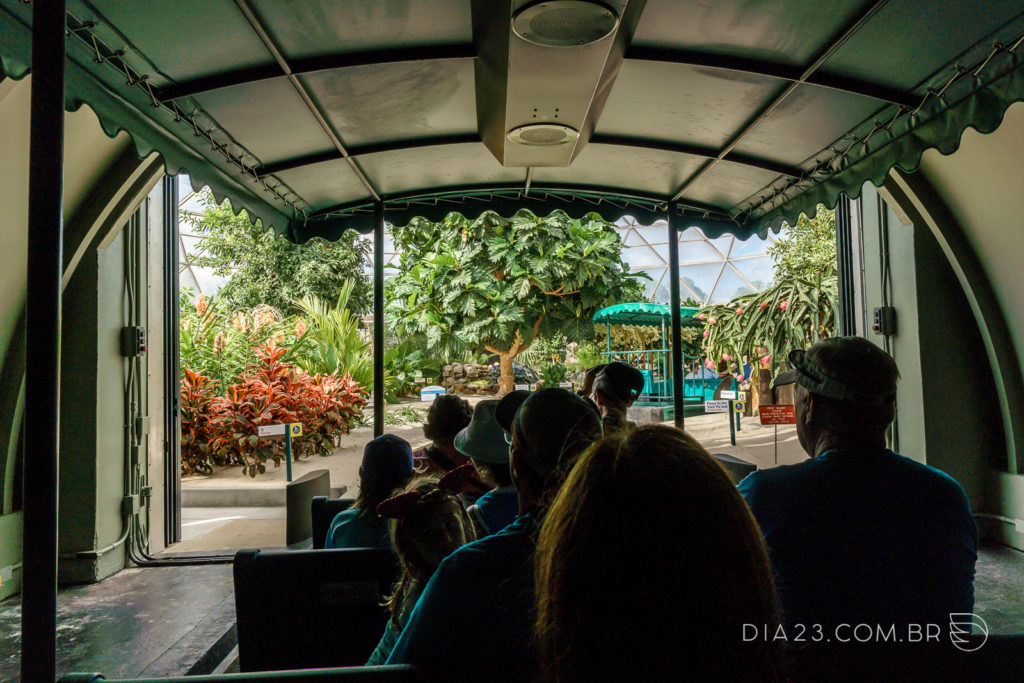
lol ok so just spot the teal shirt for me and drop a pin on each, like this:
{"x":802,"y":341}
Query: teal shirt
{"x":352,"y":530}
{"x":865,"y":537}
{"x":477,"y":609}
{"x":498,"y":508}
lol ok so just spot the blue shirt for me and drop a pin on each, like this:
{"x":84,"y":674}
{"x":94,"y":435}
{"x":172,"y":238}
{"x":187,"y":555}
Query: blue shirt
{"x":477,"y":609}
{"x":499,"y":507}
{"x":352,"y":530}
{"x":865,"y":537}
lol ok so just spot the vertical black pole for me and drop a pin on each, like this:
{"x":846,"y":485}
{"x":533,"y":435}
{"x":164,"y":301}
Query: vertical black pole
{"x":677,"y":315}
{"x":42,"y":362}
{"x":844,"y":264}
{"x":172,"y":370}
{"x":378,"y":319}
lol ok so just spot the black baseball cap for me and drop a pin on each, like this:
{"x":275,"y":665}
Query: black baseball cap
{"x":549,"y":424}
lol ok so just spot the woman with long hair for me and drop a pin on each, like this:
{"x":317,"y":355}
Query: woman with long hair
{"x":648,"y":567}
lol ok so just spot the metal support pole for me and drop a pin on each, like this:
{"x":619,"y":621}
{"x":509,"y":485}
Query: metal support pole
{"x":288,"y":452}
{"x":677,"y":315}
{"x":172,"y":370}
{"x":732,"y":426}
{"x":608,"y":338}
{"x":42,"y":361}
{"x":378,"y":319}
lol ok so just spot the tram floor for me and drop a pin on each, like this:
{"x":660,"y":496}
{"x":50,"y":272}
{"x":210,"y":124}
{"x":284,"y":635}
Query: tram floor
{"x":165,"y":621}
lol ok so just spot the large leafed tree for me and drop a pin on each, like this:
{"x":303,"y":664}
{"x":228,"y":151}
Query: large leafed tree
{"x":266,"y":269}
{"x":497,"y":284}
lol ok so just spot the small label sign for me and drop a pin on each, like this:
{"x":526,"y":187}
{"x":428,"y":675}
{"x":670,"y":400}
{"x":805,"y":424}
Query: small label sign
{"x":728,"y":394}
{"x":739,"y":406}
{"x":522,"y":387}
{"x":270,"y":430}
{"x":295,"y":429}
{"x":565,"y":385}
{"x":779,"y":414}
{"x":716,"y":406}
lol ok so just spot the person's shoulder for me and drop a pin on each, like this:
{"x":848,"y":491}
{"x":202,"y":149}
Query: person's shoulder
{"x":345,"y":516}
{"x":778,"y":476}
{"x":931,"y":477}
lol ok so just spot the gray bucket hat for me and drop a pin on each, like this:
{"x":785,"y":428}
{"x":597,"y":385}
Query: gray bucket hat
{"x":483,"y":439}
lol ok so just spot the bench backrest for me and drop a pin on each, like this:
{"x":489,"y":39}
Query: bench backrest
{"x":323,"y":510}
{"x":300,"y":609}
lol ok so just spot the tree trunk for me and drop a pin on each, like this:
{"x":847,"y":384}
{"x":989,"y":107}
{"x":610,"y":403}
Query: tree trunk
{"x":507,"y":380}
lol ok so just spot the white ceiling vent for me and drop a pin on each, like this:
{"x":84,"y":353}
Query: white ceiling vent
{"x":564,"y":23}
{"x":543,"y":134}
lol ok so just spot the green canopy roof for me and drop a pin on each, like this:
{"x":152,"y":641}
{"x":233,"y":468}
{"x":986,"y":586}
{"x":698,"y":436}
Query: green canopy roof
{"x":645,"y":313}
{"x":738,"y":114}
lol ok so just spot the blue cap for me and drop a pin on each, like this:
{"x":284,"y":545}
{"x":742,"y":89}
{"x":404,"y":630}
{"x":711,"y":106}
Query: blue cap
{"x":388,"y":458}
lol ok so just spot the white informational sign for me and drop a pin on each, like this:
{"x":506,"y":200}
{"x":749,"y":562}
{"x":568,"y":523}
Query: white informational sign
{"x":728,"y":394}
{"x":565,"y":385}
{"x":270,"y":430}
{"x":522,"y":387}
{"x":716,"y":406}
{"x":428,"y":394}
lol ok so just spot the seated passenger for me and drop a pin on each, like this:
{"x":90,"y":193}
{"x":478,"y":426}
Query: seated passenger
{"x":858,"y":533}
{"x":648,"y":565}
{"x":447,"y":416}
{"x":429,"y":522}
{"x":483,"y":441}
{"x":616,"y":386}
{"x":477,"y":611}
{"x":387,"y":465}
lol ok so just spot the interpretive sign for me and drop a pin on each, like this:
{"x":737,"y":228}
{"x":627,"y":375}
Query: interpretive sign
{"x":716,"y":406}
{"x":779,"y":414}
{"x":270,"y":430}
{"x":728,"y":394}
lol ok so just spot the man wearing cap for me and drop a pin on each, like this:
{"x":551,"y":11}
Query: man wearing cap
{"x":483,"y":442}
{"x":615,"y":386}
{"x":387,"y":465}
{"x":858,"y":533}
{"x":476,"y":613}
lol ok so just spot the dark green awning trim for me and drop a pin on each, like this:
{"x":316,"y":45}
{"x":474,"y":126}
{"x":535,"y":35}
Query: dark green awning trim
{"x":124,"y":110}
{"x":506,"y":201}
{"x":873,"y":150}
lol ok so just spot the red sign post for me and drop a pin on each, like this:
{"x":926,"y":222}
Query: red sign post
{"x":778,"y":414}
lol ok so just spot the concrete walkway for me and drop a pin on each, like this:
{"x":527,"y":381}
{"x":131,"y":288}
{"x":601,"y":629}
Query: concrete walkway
{"x":228,"y":487}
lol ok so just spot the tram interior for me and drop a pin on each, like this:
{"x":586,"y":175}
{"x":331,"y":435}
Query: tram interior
{"x":320,"y":117}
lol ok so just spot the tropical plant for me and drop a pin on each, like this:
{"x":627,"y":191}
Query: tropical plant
{"x":553,"y":374}
{"x":791,"y":315}
{"x":405,"y":364}
{"x":221,"y":344}
{"x":276,"y":392}
{"x":498,"y":284}
{"x":198,"y":422}
{"x":806,"y":249}
{"x":588,"y":354}
{"x":263,"y":268}
{"x":333,"y":343}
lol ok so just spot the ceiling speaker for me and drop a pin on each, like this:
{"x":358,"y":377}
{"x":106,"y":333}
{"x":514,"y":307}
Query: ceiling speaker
{"x":564,"y":23}
{"x":543,"y":134}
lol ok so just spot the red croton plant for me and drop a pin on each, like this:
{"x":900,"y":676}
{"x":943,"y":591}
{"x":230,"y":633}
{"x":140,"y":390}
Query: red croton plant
{"x":222,"y":430}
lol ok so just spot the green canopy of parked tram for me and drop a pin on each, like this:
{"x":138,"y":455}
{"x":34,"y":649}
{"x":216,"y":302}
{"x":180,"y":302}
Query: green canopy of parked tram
{"x":645,"y":314}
